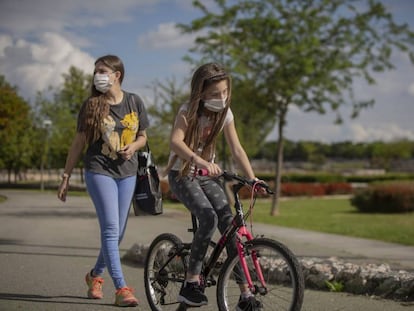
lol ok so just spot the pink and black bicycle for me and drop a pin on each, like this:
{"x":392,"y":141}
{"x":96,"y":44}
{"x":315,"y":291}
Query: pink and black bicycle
{"x":272,"y":271}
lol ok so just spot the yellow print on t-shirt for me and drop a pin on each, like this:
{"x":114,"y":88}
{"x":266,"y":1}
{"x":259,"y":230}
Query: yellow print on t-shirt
{"x":129,"y":133}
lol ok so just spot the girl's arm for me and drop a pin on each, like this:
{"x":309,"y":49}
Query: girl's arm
{"x":180,"y":148}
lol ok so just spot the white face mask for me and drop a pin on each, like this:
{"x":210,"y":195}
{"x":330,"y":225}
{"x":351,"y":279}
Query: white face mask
{"x":101,"y":82}
{"x":215,"y":105}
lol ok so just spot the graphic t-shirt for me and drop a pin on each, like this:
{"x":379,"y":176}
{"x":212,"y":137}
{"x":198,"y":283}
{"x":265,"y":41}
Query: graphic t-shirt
{"x":205,"y":129}
{"x":118,"y":129}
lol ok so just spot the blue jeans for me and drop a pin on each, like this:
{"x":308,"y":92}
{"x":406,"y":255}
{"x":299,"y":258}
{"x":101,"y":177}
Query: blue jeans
{"x":112,"y":199}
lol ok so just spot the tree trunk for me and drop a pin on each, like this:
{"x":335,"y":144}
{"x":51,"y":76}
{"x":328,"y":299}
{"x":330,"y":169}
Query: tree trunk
{"x":279,"y":164}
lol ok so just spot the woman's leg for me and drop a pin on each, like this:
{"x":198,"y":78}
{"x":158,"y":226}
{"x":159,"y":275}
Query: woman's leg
{"x":126,"y":188}
{"x":112,"y":214}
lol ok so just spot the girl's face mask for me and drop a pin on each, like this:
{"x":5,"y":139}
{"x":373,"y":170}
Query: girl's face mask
{"x":215,"y":105}
{"x":102,"y":82}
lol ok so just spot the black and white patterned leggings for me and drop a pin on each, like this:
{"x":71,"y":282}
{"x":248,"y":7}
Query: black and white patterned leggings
{"x":205,"y":198}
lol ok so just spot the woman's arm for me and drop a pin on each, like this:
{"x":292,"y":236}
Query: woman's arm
{"x":237,"y":151}
{"x":78,"y":144}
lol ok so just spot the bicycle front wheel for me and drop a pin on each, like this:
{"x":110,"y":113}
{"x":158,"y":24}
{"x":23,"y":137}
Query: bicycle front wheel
{"x":164,"y":272}
{"x":283,"y":277}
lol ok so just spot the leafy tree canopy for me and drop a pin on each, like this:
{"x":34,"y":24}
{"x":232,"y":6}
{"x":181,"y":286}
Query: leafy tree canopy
{"x":15,"y":129}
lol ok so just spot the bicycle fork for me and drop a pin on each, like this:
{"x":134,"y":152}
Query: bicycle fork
{"x":241,"y":250}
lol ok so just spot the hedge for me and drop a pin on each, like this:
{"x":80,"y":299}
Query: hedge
{"x":391,"y":197}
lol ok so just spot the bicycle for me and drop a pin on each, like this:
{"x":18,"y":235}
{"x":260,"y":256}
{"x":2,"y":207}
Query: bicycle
{"x":272,"y":271}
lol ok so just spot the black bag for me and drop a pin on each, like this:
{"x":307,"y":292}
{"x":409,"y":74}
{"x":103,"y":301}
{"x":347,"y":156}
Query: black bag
{"x":147,"y":196}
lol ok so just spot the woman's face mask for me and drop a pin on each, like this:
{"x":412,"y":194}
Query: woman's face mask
{"x":102,"y":82}
{"x":215,"y":105}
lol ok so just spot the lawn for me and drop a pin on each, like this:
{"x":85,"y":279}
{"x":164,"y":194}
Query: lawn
{"x":334,"y":215}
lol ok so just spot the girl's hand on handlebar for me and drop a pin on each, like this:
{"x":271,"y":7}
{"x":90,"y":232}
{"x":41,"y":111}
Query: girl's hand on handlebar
{"x":212,"y":169}
{"x":261,"y":186}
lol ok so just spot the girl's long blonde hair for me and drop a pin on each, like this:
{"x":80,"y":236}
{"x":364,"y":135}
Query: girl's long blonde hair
{"x":96,"y":107}
{"x":203,"y":77}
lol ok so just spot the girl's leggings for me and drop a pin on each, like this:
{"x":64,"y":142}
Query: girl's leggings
{"x":112,"y":199}
{"x":206,"y":199}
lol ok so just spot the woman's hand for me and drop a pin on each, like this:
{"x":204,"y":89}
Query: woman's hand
{"x":63,"y":188}
{"x":127,"y":152}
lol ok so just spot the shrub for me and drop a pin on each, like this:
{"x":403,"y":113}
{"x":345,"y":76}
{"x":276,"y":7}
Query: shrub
{"x":313,"y":178}
{"x":338,"y":188}
{"x":315,"y":189}
{"x":395,"y":197}
{"x":302,"y":189}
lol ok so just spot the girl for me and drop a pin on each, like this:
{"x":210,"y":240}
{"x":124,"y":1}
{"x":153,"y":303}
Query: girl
{"x":193,"y":142}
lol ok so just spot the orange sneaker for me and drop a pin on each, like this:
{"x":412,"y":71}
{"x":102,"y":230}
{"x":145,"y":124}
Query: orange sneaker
{"x":94,"y":286}
{"x":124,"y":297}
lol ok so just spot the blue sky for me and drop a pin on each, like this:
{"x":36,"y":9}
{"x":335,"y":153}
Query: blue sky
{"x":41,"y":39}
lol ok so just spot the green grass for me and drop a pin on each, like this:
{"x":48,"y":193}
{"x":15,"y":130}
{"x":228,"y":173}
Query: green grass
{"x":333,"y":216}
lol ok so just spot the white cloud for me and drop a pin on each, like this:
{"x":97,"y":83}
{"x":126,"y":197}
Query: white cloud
{"x":36,"y":66}
{"x":167,"y":35}
{"x":5,"y":41}
{"x":384,"y":132}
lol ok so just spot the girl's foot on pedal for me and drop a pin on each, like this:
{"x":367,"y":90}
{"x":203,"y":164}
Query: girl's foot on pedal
{"x":249,"y":304}
{"x":192,"y":294}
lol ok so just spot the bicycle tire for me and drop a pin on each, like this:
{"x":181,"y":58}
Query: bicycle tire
{"x":163,"y":285}
{"x":282,"y":273}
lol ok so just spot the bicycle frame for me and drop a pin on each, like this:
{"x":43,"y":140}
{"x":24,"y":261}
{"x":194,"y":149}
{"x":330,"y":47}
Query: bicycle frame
{"x":237,"y":227}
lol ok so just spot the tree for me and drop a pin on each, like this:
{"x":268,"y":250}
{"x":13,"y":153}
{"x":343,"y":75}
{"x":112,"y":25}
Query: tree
{"x":62,"y":109}
{"x":15,"y":130}
{"x":384,"y":153}
{"x":169,"y":96}
{"x":307,"y":53}
{"x":252,"y":122}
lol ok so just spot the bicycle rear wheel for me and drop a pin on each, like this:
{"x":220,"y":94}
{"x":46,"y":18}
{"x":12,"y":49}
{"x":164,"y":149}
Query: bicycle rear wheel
{"x":164,"y":272}
{"x":281,"y":271}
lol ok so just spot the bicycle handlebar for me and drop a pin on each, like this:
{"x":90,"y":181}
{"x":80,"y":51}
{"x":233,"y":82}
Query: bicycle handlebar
{"x":233,"y":176}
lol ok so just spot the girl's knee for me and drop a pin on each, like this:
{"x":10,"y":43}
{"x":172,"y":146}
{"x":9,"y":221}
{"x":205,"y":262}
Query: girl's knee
{"x":208,"y":222}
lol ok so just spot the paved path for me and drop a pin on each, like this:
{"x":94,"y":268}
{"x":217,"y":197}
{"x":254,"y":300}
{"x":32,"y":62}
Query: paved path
{"x":47,"y":246}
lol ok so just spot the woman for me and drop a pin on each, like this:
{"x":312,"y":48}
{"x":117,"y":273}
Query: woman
{"x":193,"y":142}
{"x":111,"y":123}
